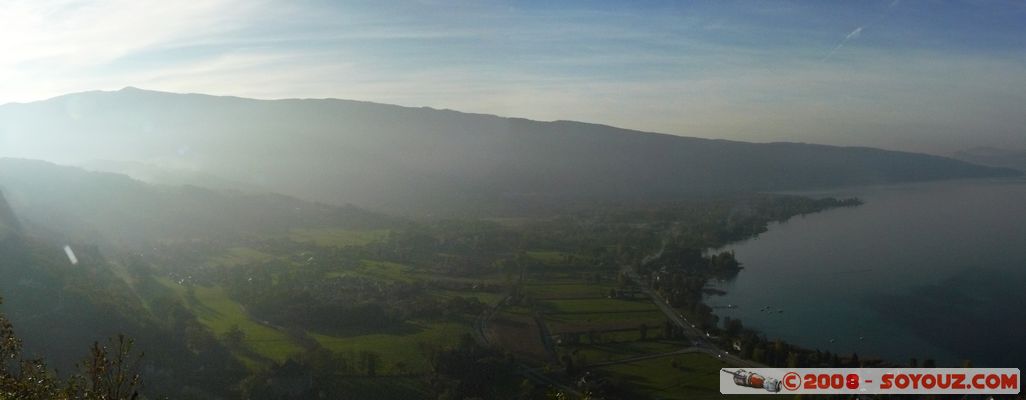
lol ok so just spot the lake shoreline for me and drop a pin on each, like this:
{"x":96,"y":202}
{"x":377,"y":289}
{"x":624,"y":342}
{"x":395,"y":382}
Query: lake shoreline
{"x":855,"y":240}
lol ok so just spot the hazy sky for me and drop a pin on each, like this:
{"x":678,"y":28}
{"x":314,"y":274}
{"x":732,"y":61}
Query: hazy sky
{"x":919,"y":75}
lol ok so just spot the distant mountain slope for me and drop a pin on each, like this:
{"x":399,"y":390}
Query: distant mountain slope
{"x":166,"y":175}
{"x":93,"y":206}
{"x":994,"y":157}
{"x":423,"y":160}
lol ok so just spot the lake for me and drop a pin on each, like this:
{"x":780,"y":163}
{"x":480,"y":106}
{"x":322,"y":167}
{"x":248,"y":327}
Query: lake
{"x":931,"y":270}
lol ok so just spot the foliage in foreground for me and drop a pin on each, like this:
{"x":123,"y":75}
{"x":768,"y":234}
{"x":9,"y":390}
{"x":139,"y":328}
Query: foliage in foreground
{"x":109,"y":373}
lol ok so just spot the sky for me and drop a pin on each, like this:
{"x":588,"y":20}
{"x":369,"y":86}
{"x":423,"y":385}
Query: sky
{"x":931,"y":76}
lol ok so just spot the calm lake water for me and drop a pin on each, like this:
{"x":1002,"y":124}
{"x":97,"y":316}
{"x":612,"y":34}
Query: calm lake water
{"x":934,"y":270}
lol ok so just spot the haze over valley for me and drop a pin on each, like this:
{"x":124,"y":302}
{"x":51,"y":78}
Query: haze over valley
{"x":507,"y":200}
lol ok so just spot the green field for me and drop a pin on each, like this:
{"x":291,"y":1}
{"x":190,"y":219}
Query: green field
{"x":550,"y":257}
{"x":652,"y":318}
{"x":394,"y":348}
{"x":598,"y":305}
{"x":381,"y":387}
{"x":632,"y":335}
{"x":214,"y":309}
{"x":484,"y":297}
{"x":602,"y":352}
{"x":572,"y":302}
{"x":576,"y":305}
{"x":238,"y":256}
{"x":574,"y":289}
{"x":695,"y":377}
{"x":565,"y":276}
{"x":338,"y":237}
{"x":382,"y":270}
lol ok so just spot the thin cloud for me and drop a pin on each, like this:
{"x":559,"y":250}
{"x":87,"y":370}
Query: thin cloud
{"x":670,"y":73}
{"x":854,"y":34}
{"x":56,"y":46}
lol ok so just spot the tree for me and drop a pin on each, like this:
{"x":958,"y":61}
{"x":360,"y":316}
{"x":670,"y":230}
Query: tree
{"x":732,"y":326}
{"x":527,"y":389}
{"x":110,"y":373}
{"x":568,"y":362}
{"x":792,"y":360}
{"x":30,"y":379}
{"x":759,"y":355}
{"x":369,"y":361}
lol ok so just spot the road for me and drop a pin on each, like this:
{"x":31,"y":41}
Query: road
{"x":546,"y":337}
{"x":694,"y":334}
{"x":533,"y":374}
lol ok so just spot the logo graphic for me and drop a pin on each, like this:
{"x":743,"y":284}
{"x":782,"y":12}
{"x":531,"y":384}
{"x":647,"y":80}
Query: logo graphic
{"x":792,"y":381}
{"x":754,"y":380}
{"x":824,"y":381}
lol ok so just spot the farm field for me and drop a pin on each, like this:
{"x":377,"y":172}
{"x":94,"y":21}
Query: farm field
{"x":381,"y":387}
{"x":399,"y":349}
{"x":238,"y":256}
{"x":595,"y":306}
{"x":568,"y":290}
{"x":612,"y":351}
{"x":553,"y":258}
{"x":488,"y":298}
{"x":383,"y":270}
{"x":609,"y":329}
{"x":265,"y":343}
{"x":685,"y":376}
{"x":517,"y":332}
{"x":578,"y":314}
{"x":214,"y":309}
{"x":338,"y":237}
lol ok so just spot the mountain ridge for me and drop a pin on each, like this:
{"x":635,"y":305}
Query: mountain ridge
{"x":424,"y":160}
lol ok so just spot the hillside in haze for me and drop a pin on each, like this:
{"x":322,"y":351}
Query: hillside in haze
{"x":994,"y":157}
{"x":59,"y":309}
{"x":422,"y":160}
{"x":8,"y":221}
{"x":72,"y":204}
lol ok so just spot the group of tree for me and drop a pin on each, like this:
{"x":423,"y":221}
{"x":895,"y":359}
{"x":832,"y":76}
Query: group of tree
{"x":110,"y":372}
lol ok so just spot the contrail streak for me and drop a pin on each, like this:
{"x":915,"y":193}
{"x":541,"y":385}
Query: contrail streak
{"x":851,"y":35}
